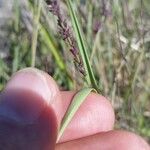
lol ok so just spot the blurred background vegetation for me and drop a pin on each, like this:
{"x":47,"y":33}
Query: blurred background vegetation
{"x":117,"y":34}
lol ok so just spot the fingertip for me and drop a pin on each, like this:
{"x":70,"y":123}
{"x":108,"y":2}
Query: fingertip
{"x":28,"y":112}
{"x":31,"y":79}
{"x":111,"y":140}
{"x":132,"y":140}
{"x":108,"y":113}
{"x":40,"y":83}
{"x":94,"y":115}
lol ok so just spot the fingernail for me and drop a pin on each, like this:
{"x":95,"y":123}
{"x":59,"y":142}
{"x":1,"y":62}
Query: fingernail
{"x":33,"y":80}
{"x":40,"y":83}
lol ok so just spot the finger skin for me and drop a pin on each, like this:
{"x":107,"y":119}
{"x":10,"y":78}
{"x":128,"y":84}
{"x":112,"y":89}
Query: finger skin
{"x":35,"y":80}
{"x":42,"y":84}
{"x":95,"y":109}
{"x":95,"y":115}
{"x":29,"y":117}
{"x":111,"y":140}
{"x":26,"y":122}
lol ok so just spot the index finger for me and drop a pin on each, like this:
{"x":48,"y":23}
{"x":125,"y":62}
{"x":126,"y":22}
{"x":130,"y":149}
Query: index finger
{"x":95,"y":115}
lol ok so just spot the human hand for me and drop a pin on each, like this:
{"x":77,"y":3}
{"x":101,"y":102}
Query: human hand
{"x":31,"y":110}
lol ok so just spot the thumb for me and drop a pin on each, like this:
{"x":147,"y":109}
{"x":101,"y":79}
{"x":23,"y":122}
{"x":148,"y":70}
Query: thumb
{"x":29,"y":119}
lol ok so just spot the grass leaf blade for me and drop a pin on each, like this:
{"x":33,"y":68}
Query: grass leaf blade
{"x":78,"y":99}
{"x":35,"y":31}
{"x":82,"y":48}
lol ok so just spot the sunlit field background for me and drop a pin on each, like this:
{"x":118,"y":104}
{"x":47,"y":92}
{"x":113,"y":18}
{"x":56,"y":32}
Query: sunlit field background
{"x":117,"y":35}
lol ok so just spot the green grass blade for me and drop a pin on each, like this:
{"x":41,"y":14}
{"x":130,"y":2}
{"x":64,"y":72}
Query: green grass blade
{"x":47,"y":40}
{"x":82,"y":48}
{"x":78,"y":99}
{"x":15,"y":63}
{"x":35,"y":31}
{"x":17,"y":15}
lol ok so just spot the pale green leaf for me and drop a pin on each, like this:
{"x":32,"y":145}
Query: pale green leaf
{"x":78,"y":99}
